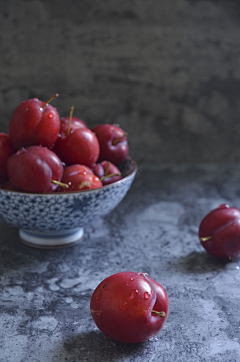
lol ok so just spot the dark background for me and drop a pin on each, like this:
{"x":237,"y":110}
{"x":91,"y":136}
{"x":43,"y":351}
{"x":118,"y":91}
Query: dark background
{"x":167,"y":71}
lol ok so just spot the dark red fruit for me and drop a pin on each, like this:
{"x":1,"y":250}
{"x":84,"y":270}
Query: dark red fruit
{"x":34,"y":122}
{"x":35,"y":169}
{"x":8,"y":185}
{"x":107,"y":172}
{"x":113,"y":143}
{"x":129,"y":307}
{"x":6,"y":150}
{"x":80,"y":146}
{"x":219,"y":232}
{"x":79,"y":178}
{"x":70,"y":123}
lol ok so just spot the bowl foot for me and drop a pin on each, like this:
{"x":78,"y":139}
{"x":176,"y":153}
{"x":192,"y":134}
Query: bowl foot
{"x":51,"y":240}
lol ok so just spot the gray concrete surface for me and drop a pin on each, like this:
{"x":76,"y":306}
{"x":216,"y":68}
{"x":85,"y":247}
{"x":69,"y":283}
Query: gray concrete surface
{"x":45,"y":294}
{"x":168,"y":73}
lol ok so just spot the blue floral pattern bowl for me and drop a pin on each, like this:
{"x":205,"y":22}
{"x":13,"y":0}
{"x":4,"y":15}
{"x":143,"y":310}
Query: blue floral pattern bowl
{"x":57,"y":219}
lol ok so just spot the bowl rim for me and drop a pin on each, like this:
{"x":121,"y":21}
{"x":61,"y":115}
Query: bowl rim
{"x":50,"y":194}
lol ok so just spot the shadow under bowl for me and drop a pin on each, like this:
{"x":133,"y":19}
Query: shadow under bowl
{"x":57,"y":219}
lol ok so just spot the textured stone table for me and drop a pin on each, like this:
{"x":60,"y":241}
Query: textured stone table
{"x":45,"y":294}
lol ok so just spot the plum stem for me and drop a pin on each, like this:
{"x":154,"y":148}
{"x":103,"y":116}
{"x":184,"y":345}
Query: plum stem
{"x":206,"y":238}
{"x":110,"y":175}
{"x":143,"y":274}
{"x":70,"y":120}
{"x":107,"y":168}
{"x":61,"y":184}
{"x":106,"y":175}
{"x":119,"y":139}
{"x":50,"y":99}
{"x":160,"y":314}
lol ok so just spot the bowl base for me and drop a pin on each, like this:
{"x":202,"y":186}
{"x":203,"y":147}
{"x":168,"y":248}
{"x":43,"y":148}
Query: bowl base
{"x":51,"y":240}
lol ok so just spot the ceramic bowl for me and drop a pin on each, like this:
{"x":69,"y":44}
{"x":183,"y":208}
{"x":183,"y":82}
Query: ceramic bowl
{"x":58,"y":219}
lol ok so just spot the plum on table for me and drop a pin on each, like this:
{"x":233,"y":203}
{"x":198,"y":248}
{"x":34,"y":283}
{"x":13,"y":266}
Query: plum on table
{"x":219,"y":232}
{"x":129,"y":307}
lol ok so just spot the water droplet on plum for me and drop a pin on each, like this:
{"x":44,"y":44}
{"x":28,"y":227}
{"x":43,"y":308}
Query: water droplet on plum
{"x":132,"y":279}
{"x":146,"y":295}
{"x":224,"y":206}
{"x":95,"y":179}
{"x":51,"y":115}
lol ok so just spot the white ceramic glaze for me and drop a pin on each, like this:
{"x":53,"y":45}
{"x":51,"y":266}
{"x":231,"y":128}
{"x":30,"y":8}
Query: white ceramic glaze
{"x":52,"y":239}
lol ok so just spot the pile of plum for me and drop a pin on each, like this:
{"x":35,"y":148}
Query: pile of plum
{"x":43,"y":153}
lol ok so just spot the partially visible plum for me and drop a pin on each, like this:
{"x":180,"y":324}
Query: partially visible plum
{"x":107,"y":172}
{"x":68,"y":124}
{"x":77,"y":145}
{"x":35,"y":169}
{"x":33,"y":123}
{"x":79,"y":178}
{"x":219,"y":232}
{"x":6,"y":150}
{"x":113,"y":143}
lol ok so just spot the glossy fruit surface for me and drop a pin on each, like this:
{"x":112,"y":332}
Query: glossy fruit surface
{"x":113,"y":143}
{"x":75,"y":123}
{"x":33,"y":169}
{"x":34,"y":122}
{"x":129,"y":307}
{"x":80,"y":146}
{"x":79,"y":178}
{"x":107,"y":172}
{"x":219,"y":232}
{"x":6,"y":150}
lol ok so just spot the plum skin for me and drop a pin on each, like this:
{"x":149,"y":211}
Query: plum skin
{"x":219,"y":232}
{"x":78,"y":178}
{"x":6,"y":150}
{"x":122,"y":305}
{"x":105,"y":168}
{"x":34,"y":123}
{"x":33,"y":168}
{"x":113,"y":143}
{"x":81,"y":146}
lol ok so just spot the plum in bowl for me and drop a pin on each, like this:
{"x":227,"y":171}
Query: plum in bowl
{"x":57,"y":219}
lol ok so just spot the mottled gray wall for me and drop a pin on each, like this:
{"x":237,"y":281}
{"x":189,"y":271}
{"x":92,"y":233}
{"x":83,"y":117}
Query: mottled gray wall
{"x":167,"y":71}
